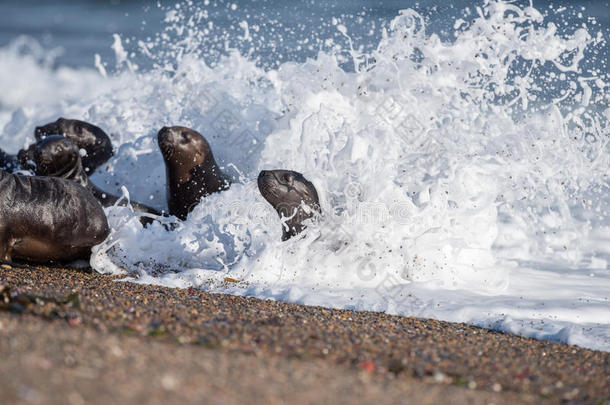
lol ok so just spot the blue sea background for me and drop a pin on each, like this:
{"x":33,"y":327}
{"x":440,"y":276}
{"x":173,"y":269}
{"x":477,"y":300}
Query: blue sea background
{"x":81,"y":29}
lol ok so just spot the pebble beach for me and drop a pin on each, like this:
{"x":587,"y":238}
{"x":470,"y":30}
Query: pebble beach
{"x":72,"y":336}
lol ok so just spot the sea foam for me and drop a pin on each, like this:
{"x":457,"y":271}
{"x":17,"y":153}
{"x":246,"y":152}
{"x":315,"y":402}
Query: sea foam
{"x":463,"y":180}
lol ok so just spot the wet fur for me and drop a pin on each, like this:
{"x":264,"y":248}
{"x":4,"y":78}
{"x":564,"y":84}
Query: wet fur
{"x":287,"y":191}
{"x":86,"y":136}
{"x":59,"y":157}
{"x":46,"y":219}
{"x":191,"y":170}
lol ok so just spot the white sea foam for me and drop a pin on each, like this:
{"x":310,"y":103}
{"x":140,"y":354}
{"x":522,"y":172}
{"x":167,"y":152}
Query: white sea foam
{"x":464,"y":181}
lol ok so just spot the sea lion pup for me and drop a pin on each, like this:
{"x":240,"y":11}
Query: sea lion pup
{"x":192,"y":172}
{"x":86,"y":136}
{"x":293,"y":197}
{"x":44,"y":219}
{"x":57,"y":156}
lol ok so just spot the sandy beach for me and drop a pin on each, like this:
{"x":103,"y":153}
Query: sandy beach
{"x":70,"y":336}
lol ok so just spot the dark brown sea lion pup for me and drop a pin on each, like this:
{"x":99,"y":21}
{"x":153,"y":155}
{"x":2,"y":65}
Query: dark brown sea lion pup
{"x":44,"y":219}
{"x":86,"y":136}
{"x":192,"y":172}
{"x":57,"y":156}
{"x":293,"y":197}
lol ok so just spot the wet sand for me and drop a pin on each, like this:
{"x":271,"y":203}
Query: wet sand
{"x":68,"y":336}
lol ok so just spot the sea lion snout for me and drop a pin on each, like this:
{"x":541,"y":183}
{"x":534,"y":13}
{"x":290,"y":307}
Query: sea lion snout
{"x":166,"y":139}
{"x":262,"y":175}
{"x":267,"y":183}
{"x":172,"y":136}
{"x":162,"y":132}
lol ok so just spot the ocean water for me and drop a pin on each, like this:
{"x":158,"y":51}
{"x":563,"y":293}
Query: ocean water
{"x":461,"y":153}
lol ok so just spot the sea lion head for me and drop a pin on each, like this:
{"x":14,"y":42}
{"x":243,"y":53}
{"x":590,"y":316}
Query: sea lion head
{"x":55,"y":156}
{"x":78,"y":131}
{"x":292,"y":196}
{"x":182,"y":149}
{"x":89,"y":137}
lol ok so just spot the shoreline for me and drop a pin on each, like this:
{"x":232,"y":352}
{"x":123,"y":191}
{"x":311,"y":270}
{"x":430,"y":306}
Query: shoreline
{"x":402,"y":354}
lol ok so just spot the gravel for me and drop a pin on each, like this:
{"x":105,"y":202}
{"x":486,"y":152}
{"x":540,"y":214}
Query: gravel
{"x":188,"y":345}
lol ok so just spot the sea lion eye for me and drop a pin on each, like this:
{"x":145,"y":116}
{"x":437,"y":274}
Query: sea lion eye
{"x":288,"y":178}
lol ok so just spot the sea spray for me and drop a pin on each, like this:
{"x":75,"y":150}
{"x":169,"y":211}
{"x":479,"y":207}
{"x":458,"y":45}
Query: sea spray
{"x":465,"y":180}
